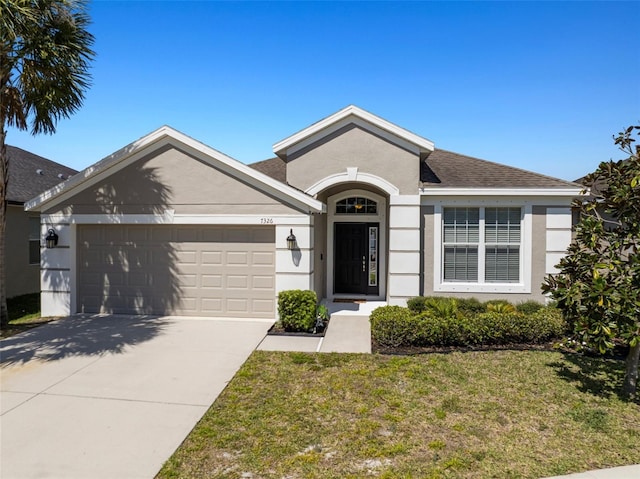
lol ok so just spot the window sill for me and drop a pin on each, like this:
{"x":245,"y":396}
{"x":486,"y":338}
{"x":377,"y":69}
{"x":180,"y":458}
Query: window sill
{"x":482,"y":288}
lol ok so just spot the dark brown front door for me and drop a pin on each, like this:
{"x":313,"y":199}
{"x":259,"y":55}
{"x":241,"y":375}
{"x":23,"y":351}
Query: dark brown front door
{"x":354,"y":272}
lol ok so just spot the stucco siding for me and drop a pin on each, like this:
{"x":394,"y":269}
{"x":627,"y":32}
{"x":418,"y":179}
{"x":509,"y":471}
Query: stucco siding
{"x":354,"y":147}
{"x":171,"y":179}
{"x":21,"y":277}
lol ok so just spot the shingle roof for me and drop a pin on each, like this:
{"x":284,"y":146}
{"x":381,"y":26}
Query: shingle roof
{"x":30,"y":175}
{"x":445,"y":169}
{"x":276,"y":168}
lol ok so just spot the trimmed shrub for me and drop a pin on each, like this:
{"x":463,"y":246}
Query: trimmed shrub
{"x":470,"y":306}
{"x":416,"y":305}
{"x":297,"y":310}
{"x":546,"y":324}
{"x":439,"y":330}
{"x":393,"y":326}
{"x":529,"y":307}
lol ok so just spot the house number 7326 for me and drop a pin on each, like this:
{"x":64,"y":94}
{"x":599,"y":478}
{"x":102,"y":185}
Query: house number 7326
{"x":266,"y":221}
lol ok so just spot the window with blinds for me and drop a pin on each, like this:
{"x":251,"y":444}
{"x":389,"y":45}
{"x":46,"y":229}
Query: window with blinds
{"x":461,"y":239}
{"x":502,"y":245}
{"x":481,"y":245}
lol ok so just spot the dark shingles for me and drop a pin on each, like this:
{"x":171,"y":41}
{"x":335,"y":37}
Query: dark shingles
{"x":25,"y":182}
{"x":445,"y":169}
{"x":276,"y":168}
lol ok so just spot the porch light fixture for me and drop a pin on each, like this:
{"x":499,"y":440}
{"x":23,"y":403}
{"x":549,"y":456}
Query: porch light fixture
{"x":52,"y":238}
{"x":291,"y":240}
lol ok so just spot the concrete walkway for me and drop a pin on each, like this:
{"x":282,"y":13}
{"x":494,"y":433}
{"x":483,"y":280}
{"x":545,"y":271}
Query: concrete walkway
{"x":112,"y":397}
{"x":624,"y":472}
{"x":349,"y":331}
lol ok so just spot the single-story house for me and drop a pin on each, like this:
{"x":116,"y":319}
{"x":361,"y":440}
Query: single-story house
{"x":352,"y":207}
{"x":29,"y":175}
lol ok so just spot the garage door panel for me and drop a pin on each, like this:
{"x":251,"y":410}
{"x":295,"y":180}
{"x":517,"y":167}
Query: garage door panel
{"x":263,"y":258}
{"x":211,"y":258}
{"x":263,"y":282}
{"x":187,"y":270}
{"x":238,"y":282}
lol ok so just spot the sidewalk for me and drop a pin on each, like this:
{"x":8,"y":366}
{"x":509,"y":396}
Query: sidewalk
{"x":348,"y":332}
{"x":624,"y":472}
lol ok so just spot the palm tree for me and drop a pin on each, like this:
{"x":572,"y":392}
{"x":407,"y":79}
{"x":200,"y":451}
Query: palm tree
{"x":45,"y":52}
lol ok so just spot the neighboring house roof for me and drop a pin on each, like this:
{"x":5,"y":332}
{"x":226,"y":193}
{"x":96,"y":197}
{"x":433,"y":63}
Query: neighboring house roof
{"x":30,"y":175}
{"x":156,"y":140}
{"x":445,"y":169}
{"x":276,"y":168}
{"x":353,"y":115}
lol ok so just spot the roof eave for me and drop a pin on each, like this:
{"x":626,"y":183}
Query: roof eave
{"x":452,"y":191}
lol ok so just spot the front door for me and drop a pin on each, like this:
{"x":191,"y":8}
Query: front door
{"x":356,"y":258}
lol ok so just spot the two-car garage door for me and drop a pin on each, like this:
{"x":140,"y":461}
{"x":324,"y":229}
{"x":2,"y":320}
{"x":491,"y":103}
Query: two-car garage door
{"x":223,"y":271}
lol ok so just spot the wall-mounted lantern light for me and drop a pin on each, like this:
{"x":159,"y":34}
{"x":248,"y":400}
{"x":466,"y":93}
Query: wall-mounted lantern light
{"x":291,"y":240}
{"x":51,"y":239}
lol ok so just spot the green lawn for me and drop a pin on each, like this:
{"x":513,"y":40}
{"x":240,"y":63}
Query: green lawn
{"x":496,"y":414}
{"x":24,"y":314}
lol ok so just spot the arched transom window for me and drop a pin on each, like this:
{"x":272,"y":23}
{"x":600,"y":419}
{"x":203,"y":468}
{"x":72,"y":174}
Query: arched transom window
{"x":356,"y":205}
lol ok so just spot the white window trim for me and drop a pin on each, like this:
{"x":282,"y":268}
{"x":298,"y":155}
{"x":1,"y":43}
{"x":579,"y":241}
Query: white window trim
{"x":524,"y":286}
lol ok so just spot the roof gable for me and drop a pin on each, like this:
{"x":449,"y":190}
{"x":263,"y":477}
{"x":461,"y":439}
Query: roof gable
{"x":30,"y":174}
{"x":445,"y":169}
{"x":155,"y":141}
{"x":353,"y":115}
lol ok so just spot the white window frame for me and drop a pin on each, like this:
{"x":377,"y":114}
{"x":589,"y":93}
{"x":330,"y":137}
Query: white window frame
{"x":523,"y":286}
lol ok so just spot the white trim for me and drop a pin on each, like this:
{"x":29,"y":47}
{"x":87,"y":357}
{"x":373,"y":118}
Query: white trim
{"x":526,"y":239}
{"x":351,"y":114}
{"x":348,"y":176}
{"x":404,"y":200}
{"x":155,"y":140}
{"x":180,"y":219}
{"x":557,"y":192}
{"x":380,"y":217}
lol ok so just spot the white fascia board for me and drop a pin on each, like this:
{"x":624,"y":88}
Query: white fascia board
{"x":169,"y":218}
{"x":558,"y":192}
{"x":422,"y":143}
{"x":158,"y":138}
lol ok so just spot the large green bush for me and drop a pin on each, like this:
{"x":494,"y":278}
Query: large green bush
{"x":297,"y":310}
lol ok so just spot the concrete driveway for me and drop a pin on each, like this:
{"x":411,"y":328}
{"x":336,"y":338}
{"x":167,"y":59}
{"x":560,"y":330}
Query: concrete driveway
{"x":112,"y":396}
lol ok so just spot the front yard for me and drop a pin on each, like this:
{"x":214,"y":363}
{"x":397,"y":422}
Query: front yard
{"x":24,"y":314}
{"x":503,"y":414}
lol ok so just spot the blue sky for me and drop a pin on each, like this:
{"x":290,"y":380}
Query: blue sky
{"x":536,"y":85}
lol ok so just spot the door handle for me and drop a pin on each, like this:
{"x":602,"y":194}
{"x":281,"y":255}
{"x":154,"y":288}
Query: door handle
{"x":364,"y":264}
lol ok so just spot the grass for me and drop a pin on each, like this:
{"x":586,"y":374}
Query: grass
{"x":24,"y":314}
{"x":506,"y":414}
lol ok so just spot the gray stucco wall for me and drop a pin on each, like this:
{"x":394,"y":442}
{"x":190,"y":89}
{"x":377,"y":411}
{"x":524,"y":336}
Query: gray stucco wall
{"x":21,"y":277}
{"x":172,"y":179}
{"x":353,"y":146}
{"x":537,"y":264}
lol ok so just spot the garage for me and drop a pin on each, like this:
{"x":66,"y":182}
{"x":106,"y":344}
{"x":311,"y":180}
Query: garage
{"x":187,"y":270}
